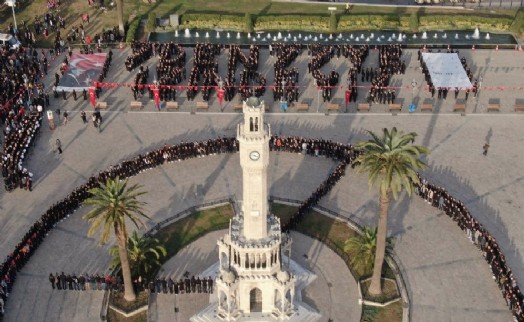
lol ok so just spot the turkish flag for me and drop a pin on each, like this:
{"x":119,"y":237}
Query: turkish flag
{"x":220,"y":94}
{"x":348,"y":96}
{"x":92,"y":96}
{"x":156,"y":94}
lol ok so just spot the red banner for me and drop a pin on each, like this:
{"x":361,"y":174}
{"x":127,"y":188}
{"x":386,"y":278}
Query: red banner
{"x":348,"y":96}
{"x":92,"y":96}
{"x":220,"y":94}
{"x":156,"y":94}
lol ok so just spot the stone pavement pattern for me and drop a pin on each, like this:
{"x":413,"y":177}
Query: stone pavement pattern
{"x":435,"y":254}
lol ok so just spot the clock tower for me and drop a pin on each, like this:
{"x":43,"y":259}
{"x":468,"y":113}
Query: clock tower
{"x":253,"y":136}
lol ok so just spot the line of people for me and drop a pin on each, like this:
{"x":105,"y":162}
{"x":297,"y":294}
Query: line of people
{"x":389,"y":63}
{"x":321,"y":56}
{"x":285,"y":55}
{"x":477,"y":234}
{"x":184,"y":285}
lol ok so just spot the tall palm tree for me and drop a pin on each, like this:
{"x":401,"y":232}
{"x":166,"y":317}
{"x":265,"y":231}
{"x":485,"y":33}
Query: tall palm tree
{"x":120,"y":15}
{"x":144,"y":254}
{"x":114,"y":202}
{"x":392,"y":163}
{"x":363,"y":247}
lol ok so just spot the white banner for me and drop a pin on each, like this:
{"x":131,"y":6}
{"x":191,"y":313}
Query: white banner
{"x":446,"y":70}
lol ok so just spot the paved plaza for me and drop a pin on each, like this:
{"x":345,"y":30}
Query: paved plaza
{"x":446,"y":276}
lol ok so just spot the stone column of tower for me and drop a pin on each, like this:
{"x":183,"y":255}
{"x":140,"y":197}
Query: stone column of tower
{"x":254,"y":137}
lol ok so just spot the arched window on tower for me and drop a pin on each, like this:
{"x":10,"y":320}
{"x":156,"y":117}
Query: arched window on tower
{"x":251,"y":124}
{"x":256,"y":124}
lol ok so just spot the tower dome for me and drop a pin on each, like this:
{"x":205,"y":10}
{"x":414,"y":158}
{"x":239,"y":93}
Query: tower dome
{"x":253,"y":101}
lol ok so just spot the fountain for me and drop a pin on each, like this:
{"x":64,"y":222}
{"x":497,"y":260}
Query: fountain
{"x":228,"y":35}
{"x":424,"y":35}
{"x":316,"y":38}
{"x":383,"y":36}
{"x":187,"y":34}
{"x":389,"y":39}
{"x":456,"y":36}
{"x":435,"y":36}
{"x":476,"y":34}
{"x":268,"y":35}
{"x":254,"y":39}
{"x":414,"y":36}
{"x":289,"y":35}
{"x":207,"y":34}
{"x":367,"y":39}
{"x":248,"y":35}
{"x":394,"y":36}
{"x":279,"y":35}
{"x":238,"y":35}
{"x":299,"y":36}
{"x":197,"y":34}
{"x":467,"y":36}
{"x":378,"y":39}
{"x":176,"y":33}
{"x":320,"y":36}
{"x":487,"y":36}
{"x":444,"y":36}
{"x":399,"y":37}
{"x":330,"y":36}
{"x":275,"y":38}
{"x":340,"y":35}
{"x":218,"y":34}
{"x":372,"y":36}
{"x":357,"y":39}
{"x":295,"y":38}
{"x":258,"y":36}
{"x":351,"y":36}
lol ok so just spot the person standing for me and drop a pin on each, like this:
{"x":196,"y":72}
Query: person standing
{"x":485,"y":148}
{"x":59,"y":146}
{"x":52,"y":280}
{"x":66,"y":119}
{"x":83,"y":116}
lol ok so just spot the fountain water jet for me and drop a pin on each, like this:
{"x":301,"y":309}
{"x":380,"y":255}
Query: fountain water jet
{"x":228,"y":35}
{"x":476,"y":33}
{"x":456,"y":36}
{"x":238,"y":35}
{"x":487,"y":36}
{"x":176,"y":33}
{"x":279,"y":35}
{"x":218,"y":34}
{"x":197,"y":34}
{"x":424,"y":35}
{"x":207,"y":34}
{"x":187,"y":34}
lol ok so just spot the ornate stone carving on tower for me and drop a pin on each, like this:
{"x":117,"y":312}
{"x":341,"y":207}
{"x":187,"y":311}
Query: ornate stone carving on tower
{"x":254,"y":281}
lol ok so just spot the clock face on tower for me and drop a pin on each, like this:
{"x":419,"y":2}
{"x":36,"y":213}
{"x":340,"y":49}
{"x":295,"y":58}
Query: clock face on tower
{"x":254,"y":155}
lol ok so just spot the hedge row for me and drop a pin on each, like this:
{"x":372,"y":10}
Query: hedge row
{"x":292,"y":22}
{"x":213,"y":21}
{"x":133,"y":29}
{"x":412,"y":22}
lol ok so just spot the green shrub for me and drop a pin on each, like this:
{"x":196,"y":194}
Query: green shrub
{"x":293,"y":22}
{"x":384,"y":21}
{"x":353,"y":22}
{"x":369,"y":22}
{"x":151,"y":22}
{"x":249,"y":22}
{"x":212,"y":21}
{"x":465,"y":22}
{"x":333,"y":23}
{"x":517,"y":25}
{"x":133,"y":29}
{"x":413,"y":21}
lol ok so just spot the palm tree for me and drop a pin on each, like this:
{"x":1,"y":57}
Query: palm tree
{"x":144,"y":254}
{"x":363,"y":248}
{"x":114,"y":202}
{"x":393,"y":163}
{"x":120,"y":15}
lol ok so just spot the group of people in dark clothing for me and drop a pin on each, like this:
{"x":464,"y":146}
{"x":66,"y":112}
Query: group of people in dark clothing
{"x":477,"y":234}
{"x":286,"y":79}
{"x":390,"y":63}
{"x":85,"y":282}
{"x":184,"y":285}
{"x":22,"y":101}
{"x":321,"y":56}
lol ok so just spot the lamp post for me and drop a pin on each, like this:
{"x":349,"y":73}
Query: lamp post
{"x":12,"y":4}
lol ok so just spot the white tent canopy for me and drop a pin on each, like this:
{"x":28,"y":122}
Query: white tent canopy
{"x":446,"y":70}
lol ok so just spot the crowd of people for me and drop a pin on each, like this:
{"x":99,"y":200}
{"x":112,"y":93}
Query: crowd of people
{"x":390,"y":63}
{"x":23,"y":101}
{"x":184,"y":285}
{"x":85,"y":282}
{"x":477,"y":234}
{"x":205,"y":65}
{"x":286,"y":79}
{"x":321,"y":56}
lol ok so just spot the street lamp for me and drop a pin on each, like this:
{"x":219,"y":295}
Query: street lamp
{"x":12,"y":4}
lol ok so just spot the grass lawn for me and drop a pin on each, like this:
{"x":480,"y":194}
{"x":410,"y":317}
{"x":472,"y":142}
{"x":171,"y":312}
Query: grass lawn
{"x":390,"y":313}
{"x":182,"y":232}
